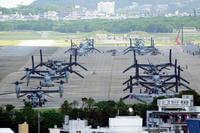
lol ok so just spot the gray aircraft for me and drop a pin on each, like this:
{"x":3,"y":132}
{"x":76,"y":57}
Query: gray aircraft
{"x":140,"y":48}
{"x":36,"y":96}
{"x":47,"y":76}
{"x":83,"y":49}
{"x":156,"y":83}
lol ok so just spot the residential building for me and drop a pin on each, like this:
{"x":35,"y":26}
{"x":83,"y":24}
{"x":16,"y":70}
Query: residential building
{"x":119,"y":124}
{"x":106,"y":7}
{"x":54,"y":130}
{"x":51,"y":15}
{"x":172,"y":114}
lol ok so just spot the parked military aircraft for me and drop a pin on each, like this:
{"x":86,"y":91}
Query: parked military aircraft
{"x":36,"y":95}
{"x":156,"y":84}
{"x":83,"y":49}
{"x":140,"y":48}
{"x":49,"y":74}
{"x":150,"y":66}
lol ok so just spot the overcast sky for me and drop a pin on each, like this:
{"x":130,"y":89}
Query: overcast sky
{"x":14,"y":3}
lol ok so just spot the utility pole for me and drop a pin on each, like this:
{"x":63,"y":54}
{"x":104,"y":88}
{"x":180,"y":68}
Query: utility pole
{"x":38,"y":122}
{"x":182,"y":34}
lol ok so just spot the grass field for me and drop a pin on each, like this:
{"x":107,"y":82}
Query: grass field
{"x":9,"y":43}
{"x":15,"y":37}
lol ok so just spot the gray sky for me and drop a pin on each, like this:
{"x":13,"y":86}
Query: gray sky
{"x":14,"y":3}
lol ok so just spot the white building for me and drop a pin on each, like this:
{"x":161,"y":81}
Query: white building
{"x":119,"y":124}
{"x":52,"y":15}
{"x":77,"y":125}
{"x":126,"y":124}
{"x":6,"y":130}
{"x":172,"y":114}
{"x":106,"y":7}
{"x":134,"y":5}
{"x":54,"y":130}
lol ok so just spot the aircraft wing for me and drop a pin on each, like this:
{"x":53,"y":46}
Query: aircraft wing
{"x":57,"y":77}
{"x":37,"y":77}
{"x":35,"y":91}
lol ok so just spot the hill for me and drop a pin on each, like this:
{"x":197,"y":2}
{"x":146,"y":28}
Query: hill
{"x":92,"y":4}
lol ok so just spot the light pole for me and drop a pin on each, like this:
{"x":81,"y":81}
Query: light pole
{"x":38,"y":122}
{"x":182,"y":34}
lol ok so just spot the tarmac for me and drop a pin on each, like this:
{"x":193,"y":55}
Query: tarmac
{"x":103,"y":80}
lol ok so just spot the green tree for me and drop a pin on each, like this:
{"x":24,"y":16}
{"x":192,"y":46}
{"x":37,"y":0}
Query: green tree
{"x":196,"y":96}
{"x":29,"y":115}
{"x":66,"y":108}
{"x":90,"y":103}
{"x":49,"y":119}
{"x":84,"y":100}
{"x":74,"y":103}
{"x":122,"y":107}
{"x":107,"y":109}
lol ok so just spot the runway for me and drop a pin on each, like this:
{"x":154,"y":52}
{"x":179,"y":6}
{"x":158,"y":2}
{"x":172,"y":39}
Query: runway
{"x":103,"y":80}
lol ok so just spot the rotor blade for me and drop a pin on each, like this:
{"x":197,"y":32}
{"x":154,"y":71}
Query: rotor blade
{"x":168,"y":79}
{"x":22,"y":95}
{"x":70,"y":49}
{"x":39,"y":73}
{"x":7,"y":93}
{"x":82,"y":66}
{"x":129,"y":68}
{"x":32,"y":62}
{"x":181,"y":84}
{"x":125,"y":49}
{"x":145,"y":86}
{"x":77,"y":74}
{"x":169,"y":87}
{"x":41,"y":60}
{"x":151,"y":41}
{"x":131,"y":44}
{"x":142,"y":67}
{"x":96,"y":50}
{"x":137,"y":98}
{"x":126,"y":97}
{"x":140,"y":77}
{"x":128,"y":51}
{"x":185,"y":80}
{"x":23,"y":77}
{"x":134,"y":56}
{"x":133,"y":77}
{"x":164,"y":67}
{"x":75,"y":58}
{"x":170,"y":56}
{"x":126,"y":88}
{"x":70,"y":59}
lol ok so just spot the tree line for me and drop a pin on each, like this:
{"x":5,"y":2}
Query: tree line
{"x":97,"y":113}
{"x":151,"y":25}
{"x":25,"y":10}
